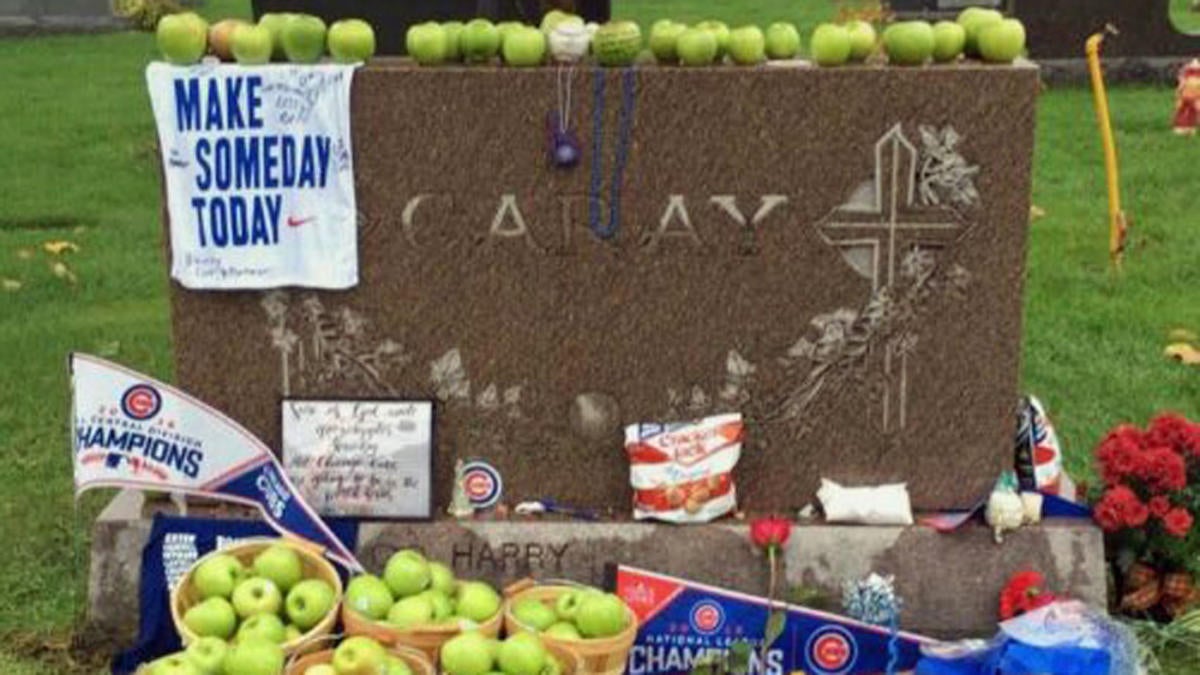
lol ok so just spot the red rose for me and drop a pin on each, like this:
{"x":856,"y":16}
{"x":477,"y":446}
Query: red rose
{"x":1177,"y":522}
{"x":1159,"y":505}
{"x":770,"y":532}
{"x":1120,"y":507}
{"x":1162,"y":469}
{"x":1118,"y":453}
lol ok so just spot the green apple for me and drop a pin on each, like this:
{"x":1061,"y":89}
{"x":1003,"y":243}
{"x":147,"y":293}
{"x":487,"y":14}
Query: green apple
{"x":254,"y":656}
{"x":309,"y":601}
{"x":696,"y":47}
{"x":182,"y":38}
{"x":175,"y":664}
{"x":602,"y":615}
{"x":479,"y":41}
{"x":468,"y":653}
{"x":567,"y":605}
{"x":663,"y":40}
{"x":862,"y":39}
{"x":304,"y":39}
{"x":617,"y":43}
{"x":442,"y":606}
{"x":320,"y":669}
{"x":217,"y":576}
{"x":719,"y":31}
{"x":747,"y":46}
{"x":291,"y":633}
{"x":274,"y":23}
{"x":359,"y":656}
{"x":973,"y":19}
{"x":522,"y":654}
{"x":909,"y":43}
{"x":263,"y":627}
{"x":949,"y":38}
{"x":454,"y":31}
{"x":252,"y":45}
{"x":407,"y":573}
{"x":830,"y":45}
{"x":351,"y":41}
{"x":369,"y":595}
{"x":783,"y":40}
{"x":280,"y":564}
{"x":213,"y":617}
{"x":207,"y":654}
{"x":563,"y":630}
{"x":426,"y":43}
{"x":524,"y":47}
{"x":477,"y":601}
{"x":257,"y":595}
{"x":506,"y":27}
{"x":534,"y":614}
{"x":1002,"y":41}
{"x":416,"y":610}
{"x":552,"y":667}
{"x":441,"y":579}
{"x":220,"y":38}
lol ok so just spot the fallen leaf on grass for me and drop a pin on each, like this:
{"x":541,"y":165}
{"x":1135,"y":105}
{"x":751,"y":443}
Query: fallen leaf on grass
{"x":1184,"y":353}
{"x":108,"y":349}
{"x":10,"y":285}
{"x":59,"y":247}
{"x":1182,"y":335}
{"x":63,"y":272}
{"x":24,"y":253}
{"x":1036,"y":212}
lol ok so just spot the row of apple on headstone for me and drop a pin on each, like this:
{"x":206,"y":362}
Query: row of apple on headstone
{"x":976,"y":33}
{"x":185,"y":38}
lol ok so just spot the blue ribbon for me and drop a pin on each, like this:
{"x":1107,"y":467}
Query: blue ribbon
{"x":624,"y":135}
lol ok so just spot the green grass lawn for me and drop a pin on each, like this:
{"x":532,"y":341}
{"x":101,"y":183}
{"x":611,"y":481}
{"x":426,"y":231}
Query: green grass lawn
{"x":79,"y":165}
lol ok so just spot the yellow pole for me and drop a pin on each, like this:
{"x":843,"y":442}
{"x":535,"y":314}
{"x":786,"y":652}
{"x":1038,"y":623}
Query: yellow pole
{"x":1117,"y":225}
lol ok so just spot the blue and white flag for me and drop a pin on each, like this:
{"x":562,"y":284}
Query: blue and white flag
{"x":131,"y":431}
{"x":259,"y":174}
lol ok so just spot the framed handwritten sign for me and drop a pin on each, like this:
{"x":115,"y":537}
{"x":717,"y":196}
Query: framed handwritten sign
{"x":364,"y":458}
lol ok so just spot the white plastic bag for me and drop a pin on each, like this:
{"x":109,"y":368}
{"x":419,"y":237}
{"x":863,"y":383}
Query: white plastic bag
{"x":882,"y":505}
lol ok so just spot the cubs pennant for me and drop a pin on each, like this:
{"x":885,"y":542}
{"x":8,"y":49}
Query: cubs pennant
{"x":131,"y":431}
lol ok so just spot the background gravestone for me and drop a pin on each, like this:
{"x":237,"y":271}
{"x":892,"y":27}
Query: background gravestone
{"x":30,"y":16}
{"x":838,"y":253}
{"x":1057,"y":29}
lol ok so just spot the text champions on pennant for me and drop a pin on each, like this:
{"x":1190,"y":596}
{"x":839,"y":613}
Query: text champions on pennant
{"x":259,"y":174}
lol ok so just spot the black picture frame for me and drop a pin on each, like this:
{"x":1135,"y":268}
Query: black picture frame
{"x":431,"y":503}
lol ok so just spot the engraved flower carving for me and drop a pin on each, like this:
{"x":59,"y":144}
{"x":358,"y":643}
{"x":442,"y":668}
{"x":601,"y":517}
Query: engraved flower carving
{"x":449,"y":378}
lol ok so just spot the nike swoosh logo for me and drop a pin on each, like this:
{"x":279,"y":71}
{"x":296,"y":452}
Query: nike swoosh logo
{"x":292,"y":221}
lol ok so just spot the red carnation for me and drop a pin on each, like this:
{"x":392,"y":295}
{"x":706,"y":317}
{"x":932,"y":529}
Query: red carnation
{"x":1177,"y":522}
{"x":1118,"y":453}
{"x":1162,"y":469}
{"x":1023,"y":593}
{"x":1159,"y":505}
{"x":1176,"y":432}
{"x":1120,"y":508}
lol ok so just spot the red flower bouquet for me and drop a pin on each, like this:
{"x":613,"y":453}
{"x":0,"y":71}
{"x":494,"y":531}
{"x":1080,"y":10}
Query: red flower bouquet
{"x":1150,"y":496}
{"x":1024,"y":592}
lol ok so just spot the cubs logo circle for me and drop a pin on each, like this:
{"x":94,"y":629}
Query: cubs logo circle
{"x":141,"y":402}
{"x":707,"y":617}
{"x":482,"y":483}
{"x":831,"y":650}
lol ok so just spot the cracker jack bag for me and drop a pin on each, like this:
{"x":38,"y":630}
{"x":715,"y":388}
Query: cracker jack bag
{"x":680,"y":622}
{"x":683,"y":472}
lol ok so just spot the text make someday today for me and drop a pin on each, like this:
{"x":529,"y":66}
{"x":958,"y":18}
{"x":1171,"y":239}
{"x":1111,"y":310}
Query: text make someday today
{"x":238,"y":177}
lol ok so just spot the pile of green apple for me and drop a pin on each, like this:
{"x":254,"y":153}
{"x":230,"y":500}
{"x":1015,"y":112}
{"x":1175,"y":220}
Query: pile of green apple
{"x":214,"y":656}
{"x":578,"y":614}
{"x":517,"y":44}
{"x":184,"y":38}
{"x":360,"y":656}
{"x":270,"y":600}
{"x":417,"y":592}
{"x":711,"y":41}
{"x":472,"y":653}
{"x":977,"y":33}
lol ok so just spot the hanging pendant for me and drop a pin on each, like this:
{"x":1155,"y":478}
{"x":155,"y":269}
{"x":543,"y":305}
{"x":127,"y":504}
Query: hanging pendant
{"x":563,"y":146}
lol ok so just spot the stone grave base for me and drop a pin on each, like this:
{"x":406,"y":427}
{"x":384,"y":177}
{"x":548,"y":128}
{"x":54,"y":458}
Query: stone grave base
{"x":28,"y":17}
{"x":949,"y":582}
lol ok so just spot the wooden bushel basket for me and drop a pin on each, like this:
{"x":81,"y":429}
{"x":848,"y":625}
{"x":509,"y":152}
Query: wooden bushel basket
{"x":598,"y":656}
{"x":428,"y":639}
{"x":415,"y":658}
{"x":315,"y":567}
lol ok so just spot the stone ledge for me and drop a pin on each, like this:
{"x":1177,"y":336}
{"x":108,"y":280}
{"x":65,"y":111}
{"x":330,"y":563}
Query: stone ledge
{"x":949,"y":582}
